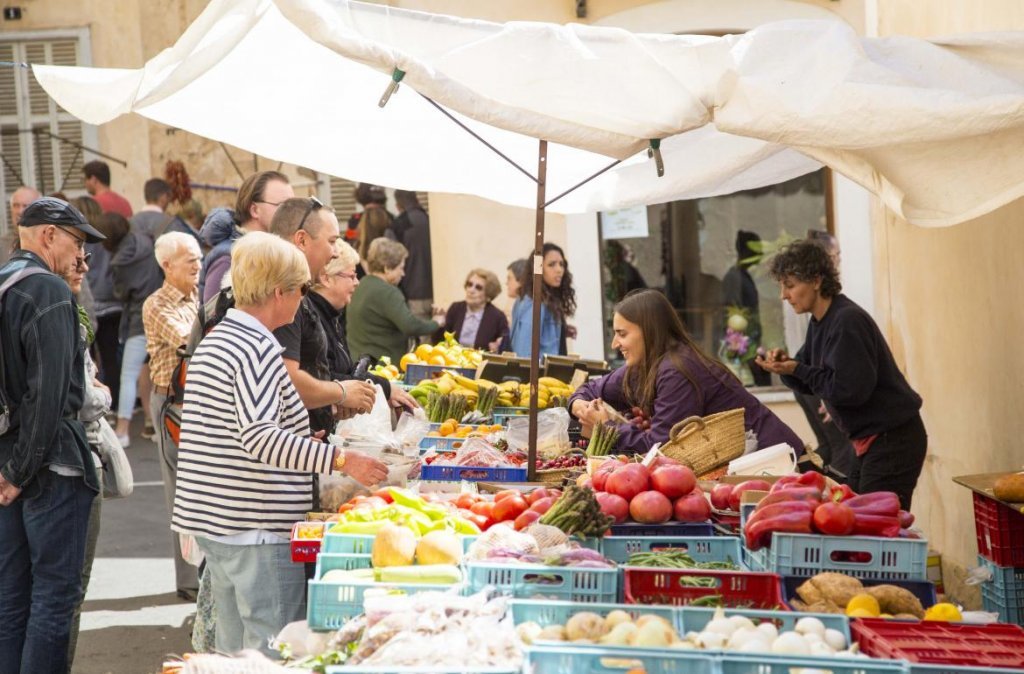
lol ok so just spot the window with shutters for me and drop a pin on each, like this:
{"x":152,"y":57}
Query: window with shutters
{"x":40,"y":143}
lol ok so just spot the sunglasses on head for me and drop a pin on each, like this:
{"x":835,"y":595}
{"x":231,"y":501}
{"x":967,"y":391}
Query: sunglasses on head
{"x":475,"y":286}
{"x":314,"y":205}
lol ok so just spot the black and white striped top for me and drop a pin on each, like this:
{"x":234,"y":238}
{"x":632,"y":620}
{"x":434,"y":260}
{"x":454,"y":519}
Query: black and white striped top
{"x":246,"y":460}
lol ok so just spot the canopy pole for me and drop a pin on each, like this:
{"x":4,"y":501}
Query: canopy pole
{"x":538,"y":296}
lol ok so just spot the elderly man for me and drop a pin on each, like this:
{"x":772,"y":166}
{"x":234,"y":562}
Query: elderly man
{"x":167,"y":316}
{"x":47,"y":475}
{"x":20,"y":199}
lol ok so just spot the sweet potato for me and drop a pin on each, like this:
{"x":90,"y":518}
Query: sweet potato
{"x":895,"y":600}
{"x":836,"y":588}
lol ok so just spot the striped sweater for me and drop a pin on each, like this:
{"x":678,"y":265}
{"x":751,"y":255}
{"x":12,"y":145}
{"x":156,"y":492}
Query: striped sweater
{"x":245,"y":460}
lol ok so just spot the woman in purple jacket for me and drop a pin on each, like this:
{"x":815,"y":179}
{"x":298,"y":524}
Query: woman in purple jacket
{"x":670,"y":378}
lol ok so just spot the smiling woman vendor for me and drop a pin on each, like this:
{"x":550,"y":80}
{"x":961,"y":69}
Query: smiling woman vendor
{"x":670,"y":378}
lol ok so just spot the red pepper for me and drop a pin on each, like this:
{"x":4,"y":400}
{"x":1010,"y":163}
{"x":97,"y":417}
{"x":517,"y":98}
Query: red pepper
{"x":842,"y":493}
{"x":759,"y":534}
{"x":887,"y":526}
{"x":783,"y":482}
{"x":792,"y":494}
{"x":875,"y":503}
{"x":776,"y":509}
{"x":906,"y":519}
{"x":812,"y":479}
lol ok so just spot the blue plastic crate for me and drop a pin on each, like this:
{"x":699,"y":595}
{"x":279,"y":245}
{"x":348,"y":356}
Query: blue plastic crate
{"x":331,"y":604}
{"x":1004,"y":594}
{"x":502,"y":415}
{"x":359,"y":544}
{"x":924,"y":590}
{"x":666,"y":529}
{"x":441,"y":443}
{"x":574,"y":660}
{"x":774,"y":664}
{"x":523,"y":581}
{"x":701,"y":548}
{"x":694,"y":618}
{"x":546,"y":612}
{"x":472,"y":473}
{"x":916,"y":668}
{"x":808,"y":554}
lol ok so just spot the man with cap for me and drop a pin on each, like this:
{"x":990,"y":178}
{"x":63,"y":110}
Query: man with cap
{"x":47,"y":475}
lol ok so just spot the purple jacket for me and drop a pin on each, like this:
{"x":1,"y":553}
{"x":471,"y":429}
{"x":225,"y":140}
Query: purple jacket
{"x":675,"y":398}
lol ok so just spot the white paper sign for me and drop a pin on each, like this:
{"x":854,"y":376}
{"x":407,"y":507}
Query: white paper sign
{"x":624,"y":223}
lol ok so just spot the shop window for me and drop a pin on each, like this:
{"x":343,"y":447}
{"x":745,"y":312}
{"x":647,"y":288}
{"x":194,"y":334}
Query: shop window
{"x":690,"y":253}
{"x":39,"y":141}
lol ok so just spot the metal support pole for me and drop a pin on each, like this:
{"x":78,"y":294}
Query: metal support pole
{"x":538,"y":296}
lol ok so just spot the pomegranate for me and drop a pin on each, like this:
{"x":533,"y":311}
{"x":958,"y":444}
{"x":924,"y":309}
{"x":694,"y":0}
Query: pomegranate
{"x":749,"y":485}
{"x":673,"y":480}
{"x":650,"y":507}
{"x":720,"y":496}
{"x":613,"y":505}
{"x":692,"y":508}
{"x":628,"y":481}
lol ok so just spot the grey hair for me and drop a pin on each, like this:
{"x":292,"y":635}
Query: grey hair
{"x":167,"y":245}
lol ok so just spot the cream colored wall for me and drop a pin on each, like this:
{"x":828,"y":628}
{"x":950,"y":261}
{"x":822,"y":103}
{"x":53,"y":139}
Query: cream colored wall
{"x":949,"y":302}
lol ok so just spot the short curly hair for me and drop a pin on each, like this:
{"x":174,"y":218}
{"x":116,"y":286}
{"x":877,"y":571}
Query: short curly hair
{"x":807,"y":261}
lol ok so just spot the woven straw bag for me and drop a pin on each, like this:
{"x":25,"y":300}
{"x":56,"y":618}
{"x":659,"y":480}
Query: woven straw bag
{"x":707,"y":443}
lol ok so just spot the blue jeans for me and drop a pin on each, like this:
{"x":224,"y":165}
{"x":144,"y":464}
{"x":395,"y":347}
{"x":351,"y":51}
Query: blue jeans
{"x":257,"y":590}
{"x":42,"y":549}
{"x":132,"y":360}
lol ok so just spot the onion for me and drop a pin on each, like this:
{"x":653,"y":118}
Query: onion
{"x":722,"y":626}
{"x":791,"y":643}
{"x":768,"y":630}
{"x":810,"y":625}
{"x":835,"y":639}
{"x":710,"y":640}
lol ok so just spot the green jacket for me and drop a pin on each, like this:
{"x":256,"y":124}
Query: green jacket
{"x":378,"y":321}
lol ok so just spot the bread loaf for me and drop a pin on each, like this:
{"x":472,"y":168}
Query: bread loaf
{"x":1010,"y":488}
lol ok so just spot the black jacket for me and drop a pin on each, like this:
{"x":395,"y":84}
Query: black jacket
{"x":846,"y":362}
{"x":493,"y":325}
{"x":338,"y":358}
{"x":44,"y":367}
{"x":412,"y":230}
{"x":136,"y":276}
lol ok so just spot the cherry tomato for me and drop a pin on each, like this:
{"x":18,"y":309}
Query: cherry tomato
{"x":485,"y":508}
{"x":507,"y":493}
{"x":509,"y":508}
{"x":537,"y":494}
{"x":526,"y":518}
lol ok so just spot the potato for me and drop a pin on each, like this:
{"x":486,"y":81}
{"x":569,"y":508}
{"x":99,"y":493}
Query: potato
{"x":585,"y":625}
{"x":895,"y":600}
{"x":551,"y":633}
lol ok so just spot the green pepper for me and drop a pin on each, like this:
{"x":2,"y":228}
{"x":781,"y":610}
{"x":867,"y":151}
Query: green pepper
{"x":407,"y":499}
{"x":464,"y":526}
{"x":361,"y":528}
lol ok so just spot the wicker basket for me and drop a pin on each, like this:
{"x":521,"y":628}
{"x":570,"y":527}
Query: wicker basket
{"x":553,"y":477}
{"x":707,"y":443}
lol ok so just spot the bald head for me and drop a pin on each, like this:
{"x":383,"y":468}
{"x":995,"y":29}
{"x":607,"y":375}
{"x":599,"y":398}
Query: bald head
{"x":22,"y":197}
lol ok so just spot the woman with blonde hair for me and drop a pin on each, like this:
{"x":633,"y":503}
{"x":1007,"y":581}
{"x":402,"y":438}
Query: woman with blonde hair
{"x":378,"y":320}
{"x":332,"y":291}
{"x":246,"y":458}
{"x":476,"y":322}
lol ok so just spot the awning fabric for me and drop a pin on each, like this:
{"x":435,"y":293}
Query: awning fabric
{"x":934,"y":127}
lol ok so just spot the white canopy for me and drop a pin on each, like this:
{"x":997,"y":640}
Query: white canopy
{"x":935,"y":128}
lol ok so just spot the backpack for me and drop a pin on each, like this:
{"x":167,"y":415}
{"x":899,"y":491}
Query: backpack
{"x":210,"y":314}
{"x":13,"y":279}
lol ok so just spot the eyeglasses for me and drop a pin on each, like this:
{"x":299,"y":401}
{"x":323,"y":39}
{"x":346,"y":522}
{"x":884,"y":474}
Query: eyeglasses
{"x":79,"y":243}
{"x":350,"y":275}
{"x":314,"y":205}
{"x":475,"y":286}
{"x":83,"y":261}
{"x":268,"y":203}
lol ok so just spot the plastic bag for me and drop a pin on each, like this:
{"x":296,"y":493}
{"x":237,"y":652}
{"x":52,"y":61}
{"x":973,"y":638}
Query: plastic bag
{"x":552,"y":433}
{"x":190,"y":551}
{"x":411,"y":429}
{"x":336,"y":490}
{"x":374,"y":426}
{"x":478,"y":452}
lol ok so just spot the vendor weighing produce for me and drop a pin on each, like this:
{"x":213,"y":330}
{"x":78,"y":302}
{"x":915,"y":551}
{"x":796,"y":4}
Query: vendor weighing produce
{"x":667,"y":378}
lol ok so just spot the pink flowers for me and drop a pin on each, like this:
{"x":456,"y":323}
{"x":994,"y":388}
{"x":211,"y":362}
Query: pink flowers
{"x":736,"y":343}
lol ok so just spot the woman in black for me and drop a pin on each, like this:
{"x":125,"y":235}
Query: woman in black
{"x":846,"y":362}
{"x":332,"y":292}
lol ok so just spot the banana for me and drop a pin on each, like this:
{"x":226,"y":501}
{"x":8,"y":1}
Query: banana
{"x":463,"y":381}
{"x":551,"y":382}
{"x":445,"y":385}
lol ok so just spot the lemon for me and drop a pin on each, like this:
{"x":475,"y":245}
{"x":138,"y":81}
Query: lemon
{"x":943,"y":611}
{"x":860,"y":613}
{"x":423,"y":351}
{"x":866,"y":603}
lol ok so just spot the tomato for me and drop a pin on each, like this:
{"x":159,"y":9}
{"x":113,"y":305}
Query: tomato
{"x":466,"y":501}
{"x":537,"y":494}
{"x":834,"y":519}
{"x":509,"y":508}
{"x":384,"y":494}
{"x":542,"y":505}
{"x":507,"y":493}
{"x":485,"y":508}
{"x":526,"y":518}
{"x":484,"y":523}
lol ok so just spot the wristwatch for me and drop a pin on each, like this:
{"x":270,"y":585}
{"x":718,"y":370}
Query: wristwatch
{"x":339,"y":460}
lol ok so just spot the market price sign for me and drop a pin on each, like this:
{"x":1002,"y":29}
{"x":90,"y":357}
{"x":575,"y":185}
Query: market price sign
{"x":625,"y":223}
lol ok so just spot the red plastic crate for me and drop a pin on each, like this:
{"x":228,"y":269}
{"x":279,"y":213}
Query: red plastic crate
{"x":941,"y":643}
{"x":306,"y":550}
{"x":1000,"y":531}
{"x":738,"y":589}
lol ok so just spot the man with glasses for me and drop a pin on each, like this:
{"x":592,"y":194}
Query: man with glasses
{"x":313,"y":229}
{"x":258,"y":200}
{"x":47,"y":475}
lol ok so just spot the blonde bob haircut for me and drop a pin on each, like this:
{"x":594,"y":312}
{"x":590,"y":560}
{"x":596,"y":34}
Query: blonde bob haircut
{"x":385,"y":255}
{"x":260,"y":264}
{"x":345,"y":257}
{"x":492,"y":287}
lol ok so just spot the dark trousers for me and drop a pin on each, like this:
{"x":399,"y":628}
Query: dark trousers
{"x":107,"y":332}
{"x":42,"y":549}
{"x":893,"y":462}
{"x":834,"y":447}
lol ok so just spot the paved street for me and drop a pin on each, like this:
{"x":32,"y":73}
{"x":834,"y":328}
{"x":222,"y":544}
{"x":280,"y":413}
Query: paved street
{"x":132,"y":617}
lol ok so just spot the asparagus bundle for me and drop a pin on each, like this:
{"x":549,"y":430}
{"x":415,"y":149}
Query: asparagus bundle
{"x":487,"y":396}
{"x":602,"y":440}
{"x":442,"y":406}
{"x":578,"y":512}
